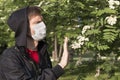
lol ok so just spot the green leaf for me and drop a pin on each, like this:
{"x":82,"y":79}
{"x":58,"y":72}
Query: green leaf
{"x":93,"y":31}
{"x":101,"y":12}
{"x":110,"y":27}
{"x":102,"y":47}
{"x":90,"y":44}
{"x":108,"y":10}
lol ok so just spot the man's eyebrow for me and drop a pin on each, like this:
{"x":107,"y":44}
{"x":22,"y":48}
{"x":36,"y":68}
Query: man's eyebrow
{"x":35,"y":22}
{"x":39,"y":21}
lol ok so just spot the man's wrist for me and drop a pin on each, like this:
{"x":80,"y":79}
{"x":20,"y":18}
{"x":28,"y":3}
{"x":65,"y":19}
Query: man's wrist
{"x":62,"y":66}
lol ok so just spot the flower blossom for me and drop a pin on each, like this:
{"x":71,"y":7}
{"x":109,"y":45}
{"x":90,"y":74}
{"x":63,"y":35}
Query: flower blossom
{"x":112,"y":3}
{"x":111,"y":19}
{"x":85,"y":28}
{"x":81,"y":39}
{"x":80,"y":42}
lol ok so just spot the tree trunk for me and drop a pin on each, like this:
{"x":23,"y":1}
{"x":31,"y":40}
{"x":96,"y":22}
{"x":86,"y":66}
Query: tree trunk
{"x":55,"y":49}
{"x":60,"y":51}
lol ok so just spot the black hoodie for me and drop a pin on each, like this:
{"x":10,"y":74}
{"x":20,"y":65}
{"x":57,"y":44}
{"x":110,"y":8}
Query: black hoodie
{"x":15,"y":64}
{"x":18,"y":22}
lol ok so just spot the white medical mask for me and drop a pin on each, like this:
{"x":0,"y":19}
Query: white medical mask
{"x":39,"y":31}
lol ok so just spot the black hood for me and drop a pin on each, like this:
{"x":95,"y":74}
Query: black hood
{"x":18,"y":22}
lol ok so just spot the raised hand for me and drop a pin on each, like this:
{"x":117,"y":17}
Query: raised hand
{"x":65,"y":55}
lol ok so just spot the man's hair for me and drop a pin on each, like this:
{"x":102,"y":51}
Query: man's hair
{"x":33,"y":10}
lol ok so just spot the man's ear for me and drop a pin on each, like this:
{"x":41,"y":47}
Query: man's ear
{"x":41,"y":17}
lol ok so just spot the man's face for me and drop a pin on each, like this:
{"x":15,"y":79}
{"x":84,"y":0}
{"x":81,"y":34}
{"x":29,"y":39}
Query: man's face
{"x":34,"y":20}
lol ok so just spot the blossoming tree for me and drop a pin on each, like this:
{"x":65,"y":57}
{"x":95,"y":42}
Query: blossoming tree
{"x":100,"y":31}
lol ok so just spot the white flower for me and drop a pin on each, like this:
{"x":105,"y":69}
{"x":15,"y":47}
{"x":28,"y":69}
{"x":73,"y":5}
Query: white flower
{"x":75,"y":45}
{"x":117,"y":2}
{"x":85,"y":28}
{"x":69,"y":28}
{"x":86,"y":39}
{"x":79,"y":37}
{"x":112,"y":7}
{"x":112,"y":3}
{"x":83,"y":31}
{"x":77,"y":26}
{"x":111,"y":20}
{"x":80,"y":41}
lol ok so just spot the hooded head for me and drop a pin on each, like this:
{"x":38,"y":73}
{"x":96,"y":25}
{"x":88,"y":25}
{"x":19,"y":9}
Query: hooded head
{"x":19,"y":23}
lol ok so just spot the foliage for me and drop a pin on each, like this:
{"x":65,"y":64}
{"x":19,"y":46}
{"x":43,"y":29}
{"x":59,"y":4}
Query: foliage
{"x":103,"y":29}
{"x":96,"y":20}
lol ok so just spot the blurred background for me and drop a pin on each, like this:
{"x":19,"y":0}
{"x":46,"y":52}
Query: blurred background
{"x":92,"y":26}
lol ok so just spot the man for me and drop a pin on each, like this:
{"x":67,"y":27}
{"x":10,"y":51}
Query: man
{"x":29,"y":59}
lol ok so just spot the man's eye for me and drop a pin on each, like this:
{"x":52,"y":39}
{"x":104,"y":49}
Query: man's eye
{"x":38,"y":22}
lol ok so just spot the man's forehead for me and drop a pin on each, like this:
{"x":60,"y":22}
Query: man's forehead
{"x":36,"y":19}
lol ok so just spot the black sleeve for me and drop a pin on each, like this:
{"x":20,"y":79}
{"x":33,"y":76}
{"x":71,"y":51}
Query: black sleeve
{"x":51,"y":74}
{"x":12,"y":70}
